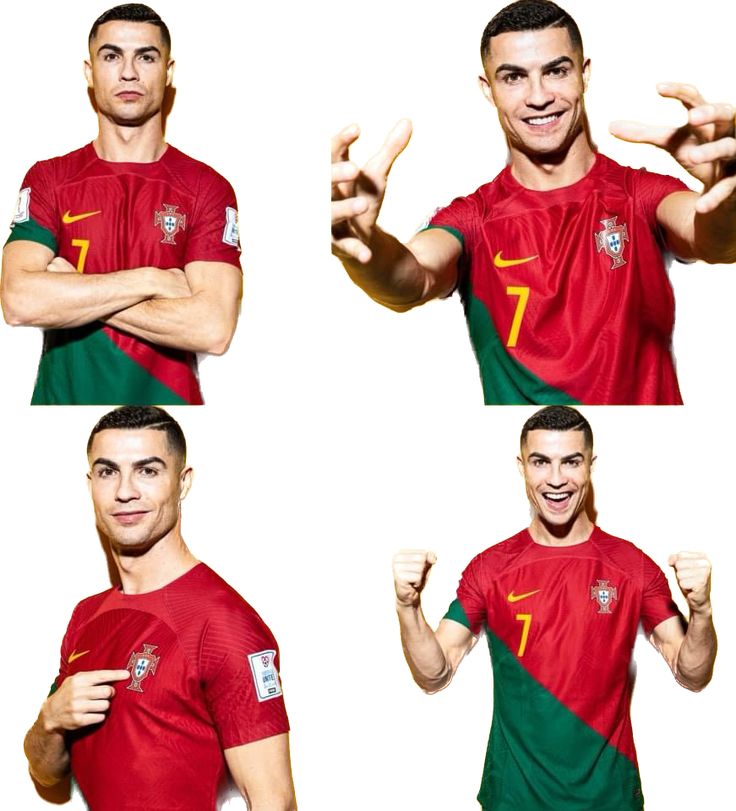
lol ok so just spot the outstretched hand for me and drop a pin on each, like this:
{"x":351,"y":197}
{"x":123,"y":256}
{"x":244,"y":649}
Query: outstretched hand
{"x":357,"y":194}
{"x":705,"y":146}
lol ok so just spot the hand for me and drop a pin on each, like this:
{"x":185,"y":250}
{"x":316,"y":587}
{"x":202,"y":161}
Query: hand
{"x":82,"y":700}
{"x":411,"y":569}
{"x":59,"y":265}
{"x":693,"y":577}
{"x":705,"y":146}
{"x":170,"y":283}
{"x":357,"y":194}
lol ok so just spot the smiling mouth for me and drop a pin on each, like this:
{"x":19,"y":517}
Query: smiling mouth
{"x":557,"y":500}
{"x":542,"y":120}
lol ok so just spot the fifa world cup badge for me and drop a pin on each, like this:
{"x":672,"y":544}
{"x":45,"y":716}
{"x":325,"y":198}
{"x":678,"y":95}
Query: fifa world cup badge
{"x":141,"y":665}
{"x":171,"y":222}
{"x":603,"y":593}
{"x":611,"y":240}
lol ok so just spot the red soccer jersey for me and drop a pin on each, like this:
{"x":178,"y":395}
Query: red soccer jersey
{"x":104,"y":216}
{"x":565,"y":291}
{"x":204,"y":677}
{"x":561,"y":624}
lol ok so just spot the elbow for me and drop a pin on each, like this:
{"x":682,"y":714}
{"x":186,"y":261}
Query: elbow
{"x":13,"y":312}
{"x":217,"y":338}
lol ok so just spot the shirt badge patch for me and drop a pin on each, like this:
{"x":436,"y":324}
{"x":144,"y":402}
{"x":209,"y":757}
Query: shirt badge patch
{"x":604,"y":593}
{"x":22,"y":207}
{"x":141,"y":665}
{"x":611,"y":240}
{"x":265,"y":675}
{"x":231,"y":233}
{"x":171,"y":222}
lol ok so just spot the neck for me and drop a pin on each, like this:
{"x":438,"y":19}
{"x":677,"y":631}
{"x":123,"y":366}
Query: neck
{"x":577,"y":531}
{"x":142,"y":144}
{"x":165,"y":561}
{"x":554,"y":170}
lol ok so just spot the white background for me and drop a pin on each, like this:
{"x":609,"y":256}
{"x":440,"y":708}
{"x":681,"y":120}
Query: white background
{"x":337,"y":432}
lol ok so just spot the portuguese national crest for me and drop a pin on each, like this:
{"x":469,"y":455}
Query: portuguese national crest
{"x":171,"y":222}
{"x":603,"y":593}
{"x":141,"y":665}
{"x":611,"y":240}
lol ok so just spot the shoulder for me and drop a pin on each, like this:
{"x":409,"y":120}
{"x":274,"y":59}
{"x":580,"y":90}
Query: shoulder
{"x":625,"y":554}
{"x":497,"y":556}
{"x":191,"y":168}
{"x":637,"y":180}
{"x":87,"y":608}
{"x":64,"y":167}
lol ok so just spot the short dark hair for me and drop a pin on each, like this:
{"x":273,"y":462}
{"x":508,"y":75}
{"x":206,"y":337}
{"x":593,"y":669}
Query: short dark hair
{"x":136,"y":417}
{"x":558,"y":418}
{"x":530,"y":15}
{"x":134,"y":13}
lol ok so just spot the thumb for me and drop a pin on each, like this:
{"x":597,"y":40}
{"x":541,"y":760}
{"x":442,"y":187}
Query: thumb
{"x":392,"y":147}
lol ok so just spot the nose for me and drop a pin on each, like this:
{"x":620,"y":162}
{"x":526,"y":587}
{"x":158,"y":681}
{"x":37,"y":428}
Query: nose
{"x":129,"y":70}
{"x":126,"y":491}
{"x":539,"y":95}
{"x":556,"y":477}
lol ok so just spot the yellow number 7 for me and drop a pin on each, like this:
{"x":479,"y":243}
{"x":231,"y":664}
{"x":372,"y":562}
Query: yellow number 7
{"x":83,"y":245}
{"x":527,"y":620}
{"x":523,"y":294}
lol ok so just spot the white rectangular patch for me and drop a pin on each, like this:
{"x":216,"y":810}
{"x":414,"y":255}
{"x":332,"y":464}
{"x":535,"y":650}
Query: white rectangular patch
{"x":265,"y":675}
{"x":230,"y":235}
{"x":23,"y":206}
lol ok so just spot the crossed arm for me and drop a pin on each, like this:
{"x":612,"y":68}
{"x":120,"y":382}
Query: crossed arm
{"x":195,"y":310}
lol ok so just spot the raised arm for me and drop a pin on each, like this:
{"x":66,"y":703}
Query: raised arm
{"x":393,"y":274}
{"x":262,"y":773}
{"x":39,"y":290}
{"x":432,"y":656}
{"x":690,"y":652}
{"x":202,"y":321}
{"x":697,"y":226}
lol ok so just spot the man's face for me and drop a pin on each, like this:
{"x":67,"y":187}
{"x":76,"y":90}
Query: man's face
{"x":536,"y":81}
{"x":136,"y":483}
{"x":556,"y":467}
{"x":128,"y":69}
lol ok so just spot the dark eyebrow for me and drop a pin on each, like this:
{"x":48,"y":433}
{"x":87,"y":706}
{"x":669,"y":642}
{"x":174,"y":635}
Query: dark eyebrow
{"x":561,"y":60}
{"x":573,"y":457}
{"x":138,"y":51}
{"x":105,"y":463}
{"x":541,"y":456}
{"x":147,"y":462}
{"x":508,"y":68}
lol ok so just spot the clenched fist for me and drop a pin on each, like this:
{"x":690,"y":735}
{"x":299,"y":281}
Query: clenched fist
{"x":411,"y":569}
{"x":693,"y":577}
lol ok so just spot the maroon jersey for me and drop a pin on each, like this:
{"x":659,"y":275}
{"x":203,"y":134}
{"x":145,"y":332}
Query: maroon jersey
{"x":561,"y":623}
{"x":104,"y":216}
{"x":565,"y":291}
{"x":204,"y":677}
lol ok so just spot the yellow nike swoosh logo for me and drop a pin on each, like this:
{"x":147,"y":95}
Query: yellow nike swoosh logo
{"x":68,"y":217}
{"x":514,"y":598}
{"x":509,"y":263}
{"x":74,"y":655}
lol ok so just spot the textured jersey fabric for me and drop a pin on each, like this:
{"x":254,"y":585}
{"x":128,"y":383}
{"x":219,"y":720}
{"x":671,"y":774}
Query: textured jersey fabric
{"x":565,"y":291}
{"x":561,"y":624}
{"x":104,"y":216}
{"x":204,"y":677}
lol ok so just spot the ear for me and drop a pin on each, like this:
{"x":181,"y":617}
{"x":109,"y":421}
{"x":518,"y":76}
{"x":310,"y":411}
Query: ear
{"x":485,"y":89}
{"x":586,"y":74}
{"x":520,"y":465}
{"x":592,"y":463}
{"x":89,"y":483}
{"x":88,"y":74}
{"x":185,"y":482}
{"x":170,"y":73}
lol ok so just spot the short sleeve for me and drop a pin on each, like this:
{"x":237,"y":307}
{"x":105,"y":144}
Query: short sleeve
{"x":213,"y":234}
{"x":458,"y":219}
{"x":35,"y":217}
{"x":651,"y":189}
{"x":240,"y":668}
{"x":469,"y":607}
{"x":657,"y":604}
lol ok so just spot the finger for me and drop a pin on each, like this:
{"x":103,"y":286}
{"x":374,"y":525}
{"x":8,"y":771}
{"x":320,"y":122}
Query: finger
{"x":712,"y":114}
{"x":688,"y":94}
{"x":344,"y":171}
{"x":341,"y":142}
{"x":393,"y":146}
{"x":637,"y":133}
{"x":345,"y":209}
{"x":723,"y":149}
{"x":351,"y":248}
{"x":103,"y":676}
{"x":716,"y":196}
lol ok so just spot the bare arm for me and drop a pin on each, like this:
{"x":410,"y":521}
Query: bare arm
{"x":262,"y":772}
{"x":697,"y":226}
{"x":433,"y":657}
{"x":690,"y":653}
{"x":42,"y":291}
{"x":393,"y":274}
{"x":201,"y":322}
{"x":82,"y":700}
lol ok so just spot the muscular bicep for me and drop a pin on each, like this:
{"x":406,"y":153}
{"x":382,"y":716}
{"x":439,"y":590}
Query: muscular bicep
{"x":676,"y":217}
{"x":455,"y":640}
{"x":261,"y":770}
{"x":438,"y":253}
{"x":667,"y":637}
{"x":20,"y":257}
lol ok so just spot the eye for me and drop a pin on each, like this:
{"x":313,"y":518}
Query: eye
{"x":574,"y":462}
{"x":147,"y":58}
{"x":105,"y":472}
{"x":538,"y":463}
{"x":512,"y":78}
{"x":558,"y":72}
{"x":109,"y":56}
{"x":148,"y":472}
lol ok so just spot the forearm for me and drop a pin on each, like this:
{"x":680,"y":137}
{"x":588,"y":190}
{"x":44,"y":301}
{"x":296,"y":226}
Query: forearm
{"x":52,"y":300}
{"x":694,"y":666}
{"x":715,"y":234}
{"x":48,"y":756}
{"x":190,"y":323}
{"x":423,"y":653}
{"x":393,"y":276}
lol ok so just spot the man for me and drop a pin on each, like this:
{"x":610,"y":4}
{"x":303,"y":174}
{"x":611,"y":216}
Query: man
{"x":559,"y":261}
{"x":172,"y":679}
{"x":560,"y":603}
{"x":125,"y":251}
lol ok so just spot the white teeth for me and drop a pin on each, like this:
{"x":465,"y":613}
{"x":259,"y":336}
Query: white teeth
{"x":556,"y":496}
{"x":540,"y":121}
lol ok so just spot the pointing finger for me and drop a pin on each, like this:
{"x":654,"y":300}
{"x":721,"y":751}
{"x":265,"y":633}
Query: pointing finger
{"x":688,"y":94}
{"x":639,"y":133}
{"x":341,"y":142}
